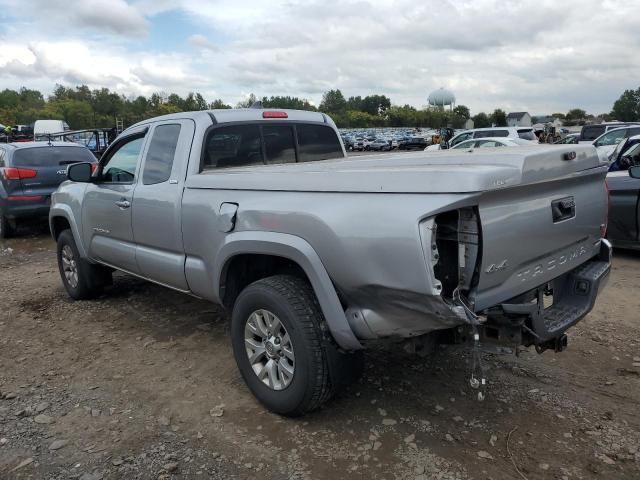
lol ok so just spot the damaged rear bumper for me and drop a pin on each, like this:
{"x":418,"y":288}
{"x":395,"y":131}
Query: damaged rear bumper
{"x":527,"y":321}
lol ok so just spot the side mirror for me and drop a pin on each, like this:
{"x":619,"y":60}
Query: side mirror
{"x":634,"y":172}
{"x":80,"y":172}
{"x":444,"y":145}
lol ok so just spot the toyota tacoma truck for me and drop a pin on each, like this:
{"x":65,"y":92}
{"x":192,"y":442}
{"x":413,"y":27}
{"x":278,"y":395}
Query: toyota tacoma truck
{"x":316,"y":255}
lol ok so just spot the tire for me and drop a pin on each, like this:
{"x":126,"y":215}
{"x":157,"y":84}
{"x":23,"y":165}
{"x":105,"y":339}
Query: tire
{"x":82,"y":280}
{"x":6,"y":231}
{"x":292,"y":302}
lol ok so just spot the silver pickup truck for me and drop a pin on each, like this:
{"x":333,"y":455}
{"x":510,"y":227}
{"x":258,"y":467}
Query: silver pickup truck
{"x":316,"y":255}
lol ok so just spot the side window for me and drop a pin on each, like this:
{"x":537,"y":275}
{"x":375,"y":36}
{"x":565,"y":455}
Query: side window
{"x":611,"y":138}
{"x":465,"y":144}
{"x":233,"y":146}
{"x":488,"y":143}
{"x":483,"y":133}
{"x":162,"y":150}
{"x":279,"y":144}
{"x":317,"y":142}
{"x":461,"y":138}
{"x":121,"y":166}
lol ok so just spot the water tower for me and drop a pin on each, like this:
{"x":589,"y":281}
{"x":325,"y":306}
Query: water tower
{"x":442,"y":98}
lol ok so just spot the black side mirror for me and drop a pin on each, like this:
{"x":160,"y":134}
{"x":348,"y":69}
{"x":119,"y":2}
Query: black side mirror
{"x":444,"y":145}
{"x":634,"y":172}
{"x":79,"y":172}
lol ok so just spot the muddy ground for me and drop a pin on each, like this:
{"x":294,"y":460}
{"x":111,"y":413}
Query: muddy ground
{"x":141,"y":384}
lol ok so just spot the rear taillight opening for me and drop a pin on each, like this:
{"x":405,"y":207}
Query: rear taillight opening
{"x":12,"y":173}
{"x":94,"y":167}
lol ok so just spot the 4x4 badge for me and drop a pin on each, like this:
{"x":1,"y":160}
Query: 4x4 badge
{"x":497,"y":267}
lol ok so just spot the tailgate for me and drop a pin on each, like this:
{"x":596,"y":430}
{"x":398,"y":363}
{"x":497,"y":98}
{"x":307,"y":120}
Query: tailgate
{"x":534,"y":232}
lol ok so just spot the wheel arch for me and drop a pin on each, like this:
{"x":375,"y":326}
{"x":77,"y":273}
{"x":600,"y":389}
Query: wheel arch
{"x":60,"y":219}
{"x":293,"y":253}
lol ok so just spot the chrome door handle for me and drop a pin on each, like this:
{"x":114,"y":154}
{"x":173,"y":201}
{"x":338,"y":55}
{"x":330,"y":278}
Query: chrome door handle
{"x":123,"y":203}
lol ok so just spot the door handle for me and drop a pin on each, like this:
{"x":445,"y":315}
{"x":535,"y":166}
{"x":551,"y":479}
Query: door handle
{"x":123,"y":203}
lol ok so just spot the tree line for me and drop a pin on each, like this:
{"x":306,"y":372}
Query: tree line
{"x":82,"y":108}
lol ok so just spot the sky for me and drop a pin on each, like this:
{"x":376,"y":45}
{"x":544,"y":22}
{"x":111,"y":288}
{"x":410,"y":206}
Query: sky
{"x":519,"y":55}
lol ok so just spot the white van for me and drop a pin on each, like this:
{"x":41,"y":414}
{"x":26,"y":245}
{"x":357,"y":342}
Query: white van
{"x":41,"y":128}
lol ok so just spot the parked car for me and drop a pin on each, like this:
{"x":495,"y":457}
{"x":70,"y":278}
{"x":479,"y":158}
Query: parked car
{"x":240,"y":207}
{"x":589,"y":133}
{"x":525,"y":133}
{"x":492,"y":142}
{"x":29,"y":173}
{"x":624,"y":194}
{"x":412,"y":143}
{"x":607,"y":142}
{"x":622,"y":149}
{"x":380,"y":144}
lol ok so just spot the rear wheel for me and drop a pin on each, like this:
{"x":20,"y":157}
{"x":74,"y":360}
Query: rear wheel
{"x":282,"y":346}
{"x":81,"y":279}
{"x":6,"y":229}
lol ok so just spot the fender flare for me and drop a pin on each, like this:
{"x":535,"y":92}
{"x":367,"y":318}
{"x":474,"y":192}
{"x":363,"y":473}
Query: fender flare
{"x":64,"y":211}
{"x":300,"y":251}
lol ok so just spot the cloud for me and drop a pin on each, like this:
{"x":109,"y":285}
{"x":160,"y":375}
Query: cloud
{"x":74,"y":63}
{"x":201,"y":42}
{"x":535,"y":55}
{"x":114,"y":16}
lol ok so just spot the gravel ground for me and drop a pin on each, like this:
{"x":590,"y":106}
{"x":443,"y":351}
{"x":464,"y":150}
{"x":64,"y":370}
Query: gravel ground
{"x":141,"y":384}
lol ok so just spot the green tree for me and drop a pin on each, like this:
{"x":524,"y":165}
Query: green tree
{"x":287,"y":102}
{"x":247,"y":102}
{"x":375,"y":104}
{"x":462,"y":111}
{"x":333,"y":102}
{"x":481,"y":120}
{"x":219,"y":104}
{"x":576,"y":114}
{"x":498,"y":118}
{"x":627,"y":107}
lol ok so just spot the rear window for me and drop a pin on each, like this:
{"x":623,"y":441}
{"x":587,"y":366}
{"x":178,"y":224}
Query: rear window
{"x":527,"y":134}
{"x":51,"y":156}
{"x":317,"y":142}
{"x":279,"y":143}
{"x":233,"y":146}
{"x":242,"y":145}
{"x":591,"y":132}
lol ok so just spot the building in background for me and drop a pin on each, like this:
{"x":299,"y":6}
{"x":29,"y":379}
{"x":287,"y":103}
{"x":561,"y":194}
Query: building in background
{"x":519,"y":119}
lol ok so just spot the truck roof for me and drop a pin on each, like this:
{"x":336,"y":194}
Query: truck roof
{"x":243,"y":115}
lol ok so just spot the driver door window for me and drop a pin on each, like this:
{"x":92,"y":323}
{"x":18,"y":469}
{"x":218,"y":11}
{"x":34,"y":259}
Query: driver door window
{"x":121,"y":166}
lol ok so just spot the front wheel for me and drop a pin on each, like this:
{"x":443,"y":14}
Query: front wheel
{"x":81,"y":279}
{"x":281,"y":345}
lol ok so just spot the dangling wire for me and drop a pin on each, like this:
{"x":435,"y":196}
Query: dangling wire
{"x":477,"y":382}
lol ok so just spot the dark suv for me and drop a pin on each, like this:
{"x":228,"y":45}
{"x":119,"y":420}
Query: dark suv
{"x":29,"y":173}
